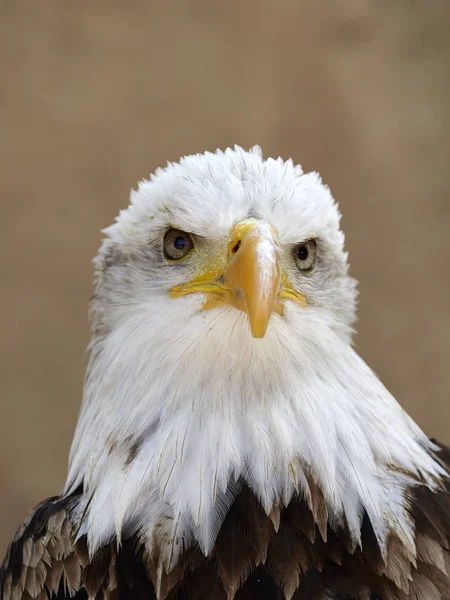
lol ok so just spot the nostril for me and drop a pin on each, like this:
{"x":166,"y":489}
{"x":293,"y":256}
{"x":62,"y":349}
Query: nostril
{"x":236,"y":247}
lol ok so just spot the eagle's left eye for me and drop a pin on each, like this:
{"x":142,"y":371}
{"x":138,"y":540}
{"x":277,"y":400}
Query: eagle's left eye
{"x":305,"y":255}
{"x":177,"y":244}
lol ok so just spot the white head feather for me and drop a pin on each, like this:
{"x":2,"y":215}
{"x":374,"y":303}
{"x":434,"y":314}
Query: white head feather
{"x":180,"y":404}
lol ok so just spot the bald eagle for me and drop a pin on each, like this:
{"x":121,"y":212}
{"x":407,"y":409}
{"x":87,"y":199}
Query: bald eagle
{"x":231,"y":443}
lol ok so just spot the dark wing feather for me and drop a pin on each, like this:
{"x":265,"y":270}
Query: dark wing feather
{"x":41,"y":559}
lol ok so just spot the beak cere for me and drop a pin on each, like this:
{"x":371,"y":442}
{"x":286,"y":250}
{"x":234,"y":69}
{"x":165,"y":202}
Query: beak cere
{"x":252,"y":274}
{"x":250,"y":280}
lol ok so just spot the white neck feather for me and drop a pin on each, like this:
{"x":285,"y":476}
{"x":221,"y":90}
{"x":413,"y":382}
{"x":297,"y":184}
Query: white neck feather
{"x":170,"y":422}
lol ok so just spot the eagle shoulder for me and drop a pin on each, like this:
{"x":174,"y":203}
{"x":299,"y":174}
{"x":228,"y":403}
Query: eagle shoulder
{"x":42,"y":560}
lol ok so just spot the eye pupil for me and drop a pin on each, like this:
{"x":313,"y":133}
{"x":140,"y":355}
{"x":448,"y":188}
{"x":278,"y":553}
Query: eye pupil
{"x":179,"y":243}
{"x":303,"y":253}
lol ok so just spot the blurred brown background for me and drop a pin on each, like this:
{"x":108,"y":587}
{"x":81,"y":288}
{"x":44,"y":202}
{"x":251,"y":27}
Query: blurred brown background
{"x":95,"y":95}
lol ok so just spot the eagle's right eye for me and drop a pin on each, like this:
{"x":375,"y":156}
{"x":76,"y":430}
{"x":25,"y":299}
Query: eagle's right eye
{"x":177,"y":244}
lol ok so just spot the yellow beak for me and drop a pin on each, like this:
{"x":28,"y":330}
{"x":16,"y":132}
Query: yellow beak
{"x":252,"y":274}
{"x":251,"y":279}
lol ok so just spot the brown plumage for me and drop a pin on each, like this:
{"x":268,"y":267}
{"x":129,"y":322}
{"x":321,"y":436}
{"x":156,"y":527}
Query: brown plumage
{"x":290,"y":556}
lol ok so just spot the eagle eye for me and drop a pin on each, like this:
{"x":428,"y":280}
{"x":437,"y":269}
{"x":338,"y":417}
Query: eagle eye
{"x":305,"y":255}
{"x":177,"y":244}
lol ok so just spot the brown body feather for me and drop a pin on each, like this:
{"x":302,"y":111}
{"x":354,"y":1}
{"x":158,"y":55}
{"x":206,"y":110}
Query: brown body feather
{"x":293,"y":555}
